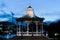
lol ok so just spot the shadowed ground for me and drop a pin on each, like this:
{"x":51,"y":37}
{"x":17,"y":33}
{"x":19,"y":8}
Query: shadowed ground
{"x":28,"y":38}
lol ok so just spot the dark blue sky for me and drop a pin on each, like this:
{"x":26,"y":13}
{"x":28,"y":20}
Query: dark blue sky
{"x":49,"y":9}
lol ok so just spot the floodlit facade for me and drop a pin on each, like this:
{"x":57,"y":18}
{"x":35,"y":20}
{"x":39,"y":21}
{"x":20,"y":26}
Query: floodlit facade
{"x":30,"y":24}
{"x":27,"y":25}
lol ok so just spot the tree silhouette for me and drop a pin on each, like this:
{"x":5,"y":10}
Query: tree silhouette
{"x":52,"y":28}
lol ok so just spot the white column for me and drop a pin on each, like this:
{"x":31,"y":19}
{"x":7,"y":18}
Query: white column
{"x":42,"y":29}
{"x":27,"y":28}
{"x":19,"y":30}
{"x":37,"y":29}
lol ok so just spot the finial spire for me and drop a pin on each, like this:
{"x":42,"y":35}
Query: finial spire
{"x":29,"y":5}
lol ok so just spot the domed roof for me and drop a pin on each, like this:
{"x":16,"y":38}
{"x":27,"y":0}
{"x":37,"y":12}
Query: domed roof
{"x":30,"y":12}
{"x":30,"y":15}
